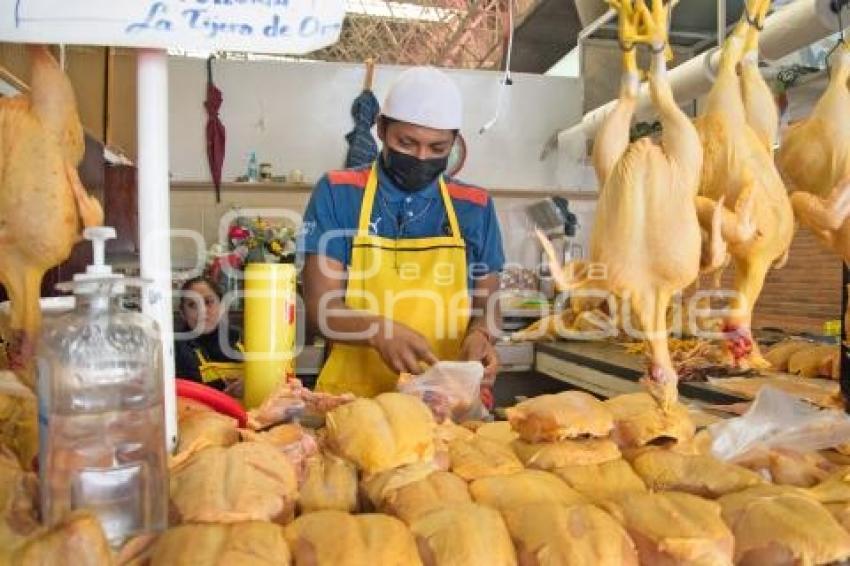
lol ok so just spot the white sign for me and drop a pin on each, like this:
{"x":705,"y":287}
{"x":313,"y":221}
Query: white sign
{"x":260,"y":26}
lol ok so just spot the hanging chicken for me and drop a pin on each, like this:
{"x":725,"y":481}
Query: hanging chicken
{"x":43,"y":205}
{"x":815,"y":161}
{"x":737,"y":130}
{"x":646,"y":234}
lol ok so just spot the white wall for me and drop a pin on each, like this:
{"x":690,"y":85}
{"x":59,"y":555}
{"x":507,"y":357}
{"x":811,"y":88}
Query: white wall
{"x":295,"y":115}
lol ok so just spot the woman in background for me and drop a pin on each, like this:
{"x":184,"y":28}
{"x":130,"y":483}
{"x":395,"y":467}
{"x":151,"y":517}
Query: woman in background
{"x":201,"y":315}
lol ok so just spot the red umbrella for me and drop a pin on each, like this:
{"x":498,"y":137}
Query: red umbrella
{"x":215,"y":131}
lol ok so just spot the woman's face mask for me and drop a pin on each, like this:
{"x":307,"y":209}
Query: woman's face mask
{"x":411,"y":173}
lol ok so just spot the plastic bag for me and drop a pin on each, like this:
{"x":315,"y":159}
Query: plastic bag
{"x":779,"y":420}
{"x":451,"y":389}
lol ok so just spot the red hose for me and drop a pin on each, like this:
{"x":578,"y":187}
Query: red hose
{"x":212,"y":398}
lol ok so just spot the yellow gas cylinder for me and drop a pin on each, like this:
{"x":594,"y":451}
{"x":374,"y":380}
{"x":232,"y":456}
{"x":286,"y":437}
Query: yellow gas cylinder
{"x":269,"y":329}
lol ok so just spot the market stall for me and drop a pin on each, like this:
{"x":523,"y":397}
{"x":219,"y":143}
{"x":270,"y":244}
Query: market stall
{"x":621,"y":430}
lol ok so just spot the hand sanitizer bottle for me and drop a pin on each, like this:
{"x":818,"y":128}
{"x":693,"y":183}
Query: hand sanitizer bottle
{"x":101,"y":408}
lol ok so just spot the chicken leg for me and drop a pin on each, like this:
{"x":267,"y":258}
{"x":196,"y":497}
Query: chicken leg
{"x":759,"y":102}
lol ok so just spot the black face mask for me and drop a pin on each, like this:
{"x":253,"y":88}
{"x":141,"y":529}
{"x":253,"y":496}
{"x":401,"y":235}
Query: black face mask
{"x":411,"y":173}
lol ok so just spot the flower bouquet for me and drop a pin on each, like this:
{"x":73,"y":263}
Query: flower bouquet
{"x":260,"y":240}
{"x":250,"y":240}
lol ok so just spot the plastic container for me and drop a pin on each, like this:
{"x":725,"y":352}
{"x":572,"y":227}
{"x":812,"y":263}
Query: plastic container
{"x":270,"y":304}
{"x":101,"y":413}
{"x":253,"y":172}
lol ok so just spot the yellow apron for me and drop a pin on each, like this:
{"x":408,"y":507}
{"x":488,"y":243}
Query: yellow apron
{"x":418,"y":282}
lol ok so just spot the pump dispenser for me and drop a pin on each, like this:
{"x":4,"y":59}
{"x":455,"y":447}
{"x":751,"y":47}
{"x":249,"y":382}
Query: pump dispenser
{"x":101,"y":414}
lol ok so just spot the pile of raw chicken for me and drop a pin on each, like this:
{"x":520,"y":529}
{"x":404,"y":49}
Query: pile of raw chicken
{"x":567,"y":480}
{"x":709,"y":193}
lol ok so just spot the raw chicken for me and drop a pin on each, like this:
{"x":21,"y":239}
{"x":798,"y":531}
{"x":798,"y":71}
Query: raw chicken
{"x":249,"y":481}
{"x":481,"y":458}
{"x":418,"y":498}
{"x":548,"y":328}
{"x":779,"y":355}
{"x":331,"y":484}
{"x":783,"y":525}
{"x":295,"y":443}
{"x":638,"y":421}
{"x":834,"y":489}
{"x":448,"y":432}
{"x":18,"y":419}
{"x":529,"y":486}
{"x":675,"y":529}
{"x":570,"y":414}
{"x":788,"y":467}
{"x":291,"y":399}
{"x":500,"y":431}
{"x":378,"y":487}
{"x":602,"y":482}
{"x":815,"y":161}
{"x":737,"y":130}
{"x":252,"y":543}
{"x":42,"y":202}
{"x":647,"y":193}
{"x":201,"y":429}
{"x":187,"y":407}
{"x":815,"y":361}
{"x":834,"y":494}
{"x":594,"y":323}
{"x":391,"y":430}
{"x":822,"y":394}
{"x":18,"y":504}
{"x":334,"y":538}
{"x":580,"y":452}
{"x":463,"y":534}
{"x":552,"y":534}
{"x":79,"y":536}
{"x":665,"y":470}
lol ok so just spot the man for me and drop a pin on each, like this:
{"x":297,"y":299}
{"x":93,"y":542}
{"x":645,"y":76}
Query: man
{"x":400,"y":263}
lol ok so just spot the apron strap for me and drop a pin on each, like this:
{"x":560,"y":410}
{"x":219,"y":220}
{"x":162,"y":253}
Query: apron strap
{"x":450,"y":212}
{"x":369,"y":202}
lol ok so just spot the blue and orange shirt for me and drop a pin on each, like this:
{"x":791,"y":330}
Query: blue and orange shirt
{"x":330,"y":220}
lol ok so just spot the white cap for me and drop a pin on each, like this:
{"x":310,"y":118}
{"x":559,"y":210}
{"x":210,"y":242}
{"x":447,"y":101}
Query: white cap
{"x":426,"y":97}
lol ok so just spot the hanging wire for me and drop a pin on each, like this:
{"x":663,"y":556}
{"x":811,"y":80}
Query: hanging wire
{"x":506,"y":79}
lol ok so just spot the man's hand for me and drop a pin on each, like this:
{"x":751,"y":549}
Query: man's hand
{"x":402,"y":348}
{"x":478,"y":348}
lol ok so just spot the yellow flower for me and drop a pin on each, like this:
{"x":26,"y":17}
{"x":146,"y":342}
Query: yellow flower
{"x":261,"y":224}
{"x":276,"y":248}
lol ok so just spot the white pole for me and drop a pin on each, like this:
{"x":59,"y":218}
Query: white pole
{"x":154,"y":214}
